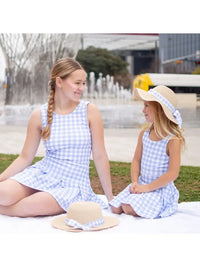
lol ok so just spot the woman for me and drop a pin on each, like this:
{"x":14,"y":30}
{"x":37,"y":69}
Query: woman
{"x":70,"y":129}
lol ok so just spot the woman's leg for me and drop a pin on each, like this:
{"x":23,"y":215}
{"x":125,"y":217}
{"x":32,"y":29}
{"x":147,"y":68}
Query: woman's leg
{"x":12,"y":191}
{"x":37,"y":204}
{"x":127,"y":209}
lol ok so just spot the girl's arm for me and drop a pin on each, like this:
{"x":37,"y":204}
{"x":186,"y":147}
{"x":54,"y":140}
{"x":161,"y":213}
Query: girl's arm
{"x":136,"y":162}
{"x":98,"y":150}
{"x":30,"y":147}
{"x":174,"y":152}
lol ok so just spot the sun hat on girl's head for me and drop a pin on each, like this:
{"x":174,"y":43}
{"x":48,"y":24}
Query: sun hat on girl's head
{"x":165,"y":97}
{"x":84,"y":216}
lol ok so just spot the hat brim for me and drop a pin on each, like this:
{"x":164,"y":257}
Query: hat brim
{"x":146,"y":96}
{"x":59,"y":223}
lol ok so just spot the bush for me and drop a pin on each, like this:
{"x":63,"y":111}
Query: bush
{"x":99,"y":60}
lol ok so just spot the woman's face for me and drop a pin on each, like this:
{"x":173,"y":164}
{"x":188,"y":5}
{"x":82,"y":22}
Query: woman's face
{"x":74,"y":85}
{"x":149,"y":111}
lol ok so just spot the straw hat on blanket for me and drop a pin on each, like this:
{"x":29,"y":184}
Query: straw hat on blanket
{"x":84,"y":216}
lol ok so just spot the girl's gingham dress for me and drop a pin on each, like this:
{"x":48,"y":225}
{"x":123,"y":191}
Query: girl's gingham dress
{"x":158,"y":203}
{"x":64,"y":171}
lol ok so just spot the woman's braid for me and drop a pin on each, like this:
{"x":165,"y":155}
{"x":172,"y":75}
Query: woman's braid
{"x":46,"y":131}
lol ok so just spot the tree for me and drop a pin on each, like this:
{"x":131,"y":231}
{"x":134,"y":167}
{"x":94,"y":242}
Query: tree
{"x":99,"y":60}
{"x":29,"y":58}
{"x":17,"y":49}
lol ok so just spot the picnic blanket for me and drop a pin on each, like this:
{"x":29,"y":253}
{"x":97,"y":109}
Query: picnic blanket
{"x":185,"y":220}
{"x":36,"y":241}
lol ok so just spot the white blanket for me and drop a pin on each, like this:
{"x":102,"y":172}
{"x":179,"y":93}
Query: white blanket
{"x":185,"y":220}
{"x":137,"y":240}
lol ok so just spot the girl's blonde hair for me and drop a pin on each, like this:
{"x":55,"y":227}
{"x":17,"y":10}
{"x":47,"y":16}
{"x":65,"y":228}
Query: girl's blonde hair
{"x":163,"y":126}
{"x":62,"y":68}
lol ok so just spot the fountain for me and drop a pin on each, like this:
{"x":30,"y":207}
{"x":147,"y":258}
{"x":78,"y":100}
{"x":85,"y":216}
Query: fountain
{"x":116,"y":105}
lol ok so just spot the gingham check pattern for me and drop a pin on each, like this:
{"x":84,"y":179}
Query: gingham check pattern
{"x":158,"y":203}
{"x":86,"y":226}
{"x":64,"y":171}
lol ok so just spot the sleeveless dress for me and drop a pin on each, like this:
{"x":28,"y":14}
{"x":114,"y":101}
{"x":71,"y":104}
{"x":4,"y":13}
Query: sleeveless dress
{"x":64,"y":171}
{"x":158,"y":203}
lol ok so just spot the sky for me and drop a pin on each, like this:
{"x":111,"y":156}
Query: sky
{"x":104,"y":16}
{"x":99,"y":16}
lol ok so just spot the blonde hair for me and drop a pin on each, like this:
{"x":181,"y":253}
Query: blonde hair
{"x":62,"y":68}
{"x":163,"y":126}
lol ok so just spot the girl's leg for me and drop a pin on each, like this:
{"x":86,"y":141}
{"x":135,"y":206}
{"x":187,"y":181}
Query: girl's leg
{"x":11,"y":192}
{"x":37,"y":204}
{"x":127,"y":209}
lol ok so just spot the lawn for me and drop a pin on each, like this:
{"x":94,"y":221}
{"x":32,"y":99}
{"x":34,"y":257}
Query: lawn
{"x":188,"y":182}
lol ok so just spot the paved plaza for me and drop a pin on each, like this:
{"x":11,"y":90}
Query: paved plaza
{"x":120,"y":143}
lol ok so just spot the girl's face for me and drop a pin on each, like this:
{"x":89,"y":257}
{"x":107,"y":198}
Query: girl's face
{"x":74,"y":85}
{"x":149,"y":111}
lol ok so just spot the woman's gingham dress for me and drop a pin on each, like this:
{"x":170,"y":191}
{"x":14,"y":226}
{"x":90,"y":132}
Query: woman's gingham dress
{"x":158,"y":203}
{"x":64,"y":171}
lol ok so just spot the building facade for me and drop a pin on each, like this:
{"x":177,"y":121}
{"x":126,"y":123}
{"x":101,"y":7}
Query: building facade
{"x":179,"y":53}
{"x":140,"y":50}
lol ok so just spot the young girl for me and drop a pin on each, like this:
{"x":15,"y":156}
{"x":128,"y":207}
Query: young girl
{"x":156,"y":162}
{"x":70,"y":129}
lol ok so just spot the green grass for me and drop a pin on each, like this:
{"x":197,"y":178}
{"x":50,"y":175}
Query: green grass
{"x":188,"y":182}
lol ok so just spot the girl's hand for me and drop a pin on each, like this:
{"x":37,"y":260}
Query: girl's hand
{"x":136,"y":188}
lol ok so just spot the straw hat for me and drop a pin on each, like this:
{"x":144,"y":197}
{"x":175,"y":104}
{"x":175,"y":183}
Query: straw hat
{"x":165,"y":97}
{"x":84,"y":216}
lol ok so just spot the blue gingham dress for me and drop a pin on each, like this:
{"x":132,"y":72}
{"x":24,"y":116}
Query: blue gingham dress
{"x":158,"y":203}
{"x":64,"y":171}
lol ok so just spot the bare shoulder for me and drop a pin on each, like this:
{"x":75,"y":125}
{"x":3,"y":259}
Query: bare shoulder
{"x":174,"y":140}
{"x":93,"y":112}
{"x":141,"y":134}
{"x":92,"y":108}
{"x":174,"y":145}
{"x":36,"y":113}
{"x":94,"y":117}
{"x":36,"y":118}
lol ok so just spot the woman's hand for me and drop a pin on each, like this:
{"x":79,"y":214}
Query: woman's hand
{"x":136,"y":188}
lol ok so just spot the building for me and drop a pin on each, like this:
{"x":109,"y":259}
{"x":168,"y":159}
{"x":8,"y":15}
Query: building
{"x":179,"y":53}
{"x":151,"y":52}
{"x":140,"y":50}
